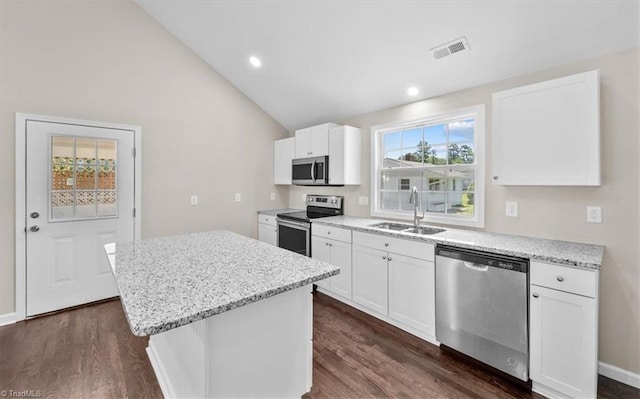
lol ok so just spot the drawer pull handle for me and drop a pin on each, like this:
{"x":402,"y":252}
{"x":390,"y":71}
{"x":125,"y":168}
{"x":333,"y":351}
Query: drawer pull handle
{"x":384,"y":257}
{"x":328,"y":232}
{"x":386,"y":244}
{"x":389,"y":259}
{"x":560,"y":278}
{"x":535,"y":295}
{"x":331,"y":245}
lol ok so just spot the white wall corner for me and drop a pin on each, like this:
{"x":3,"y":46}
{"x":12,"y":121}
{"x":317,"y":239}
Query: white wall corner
{"x":618,"y":374}
{"x":8,"y":318}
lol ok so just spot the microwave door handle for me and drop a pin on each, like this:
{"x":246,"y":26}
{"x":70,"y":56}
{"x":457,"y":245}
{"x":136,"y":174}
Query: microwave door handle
{"x":313,"y":171}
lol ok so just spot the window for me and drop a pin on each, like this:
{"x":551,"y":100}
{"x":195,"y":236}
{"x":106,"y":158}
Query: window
{"x":442,"y":156}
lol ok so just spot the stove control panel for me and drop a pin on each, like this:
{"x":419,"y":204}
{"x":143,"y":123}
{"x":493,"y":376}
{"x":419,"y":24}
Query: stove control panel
{"x":325,"y":201}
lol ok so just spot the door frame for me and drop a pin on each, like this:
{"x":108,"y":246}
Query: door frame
{"x":21,"y":195}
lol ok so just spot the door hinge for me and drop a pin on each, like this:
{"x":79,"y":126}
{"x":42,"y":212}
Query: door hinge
{"x":134,"y":152}
{"x":134,"y":212}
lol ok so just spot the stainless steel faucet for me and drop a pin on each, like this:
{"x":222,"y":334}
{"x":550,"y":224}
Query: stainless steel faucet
{"x":413,"y":199}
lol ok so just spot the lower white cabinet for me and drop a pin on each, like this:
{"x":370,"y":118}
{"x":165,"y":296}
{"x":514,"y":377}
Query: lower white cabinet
{"x":563,"y":331}
{"x":411,"y":292}
{"x":396,"y":288}
{"x":333,"y":245}
{"x":267,"y":229}
{"x":370,"y":278}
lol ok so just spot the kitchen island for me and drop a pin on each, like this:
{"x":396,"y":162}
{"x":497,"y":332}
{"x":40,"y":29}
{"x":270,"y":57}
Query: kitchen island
{"x":228,"y":316}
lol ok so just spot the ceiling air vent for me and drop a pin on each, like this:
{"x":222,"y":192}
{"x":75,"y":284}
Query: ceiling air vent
{"x":454,"y":46}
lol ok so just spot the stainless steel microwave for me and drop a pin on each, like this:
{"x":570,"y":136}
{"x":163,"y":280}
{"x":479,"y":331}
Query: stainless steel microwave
{"x":312,"y":171}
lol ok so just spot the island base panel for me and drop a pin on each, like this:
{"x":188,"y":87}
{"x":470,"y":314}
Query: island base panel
{"x":263,"y":349}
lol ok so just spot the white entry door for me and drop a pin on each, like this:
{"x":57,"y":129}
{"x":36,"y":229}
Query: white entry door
{"x":79,"y":196}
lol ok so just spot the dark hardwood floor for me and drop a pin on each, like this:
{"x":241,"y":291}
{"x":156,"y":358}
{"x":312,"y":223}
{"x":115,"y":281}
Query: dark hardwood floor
{"x":90,"y":352}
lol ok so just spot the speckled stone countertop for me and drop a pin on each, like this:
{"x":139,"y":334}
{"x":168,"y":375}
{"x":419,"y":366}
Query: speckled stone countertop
{"x":275,"y":212}
{"x":168,"y":282}
{"x":587,"y":256}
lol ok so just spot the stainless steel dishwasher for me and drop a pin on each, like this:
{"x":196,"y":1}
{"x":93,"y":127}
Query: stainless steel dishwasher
{"x":482,"y":307}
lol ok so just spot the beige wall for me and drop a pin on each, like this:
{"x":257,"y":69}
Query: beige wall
{"x":109,"y":61}
{"x":559,"y":212}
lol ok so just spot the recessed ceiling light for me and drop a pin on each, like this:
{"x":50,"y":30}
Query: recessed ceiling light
{"x":255,"y":61}
{"x":412,"y":91}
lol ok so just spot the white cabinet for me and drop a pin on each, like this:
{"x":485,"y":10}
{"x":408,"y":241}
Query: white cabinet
{"x":313,"y":141}
{"x":412,"y":292}
{"x":337,"y":251}
{"x":563,"y":330}
{"x":345,"y":157}
{"x":398,"y":287}
{"x":267,"y":229}
{"x":370,"y":278}
{"x":283,"y":152}
{"x":548,"y":133}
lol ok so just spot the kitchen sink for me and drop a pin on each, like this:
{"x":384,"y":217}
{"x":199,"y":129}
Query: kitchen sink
{"x":407,"y":228}
{"x":391,"y":226}
{"x":423,"y":230}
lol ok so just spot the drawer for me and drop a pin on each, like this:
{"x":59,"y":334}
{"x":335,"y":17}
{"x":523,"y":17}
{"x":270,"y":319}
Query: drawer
{"x":334,"y":233}
{"x":267,"y":219}
{"x":568,"y":279}
{"x":414,"y":249}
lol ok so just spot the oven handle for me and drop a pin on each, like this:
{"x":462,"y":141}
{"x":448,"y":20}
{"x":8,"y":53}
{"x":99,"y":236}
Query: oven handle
{"x":295,"y":225}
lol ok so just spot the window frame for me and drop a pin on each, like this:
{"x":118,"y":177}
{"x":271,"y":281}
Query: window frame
{"x":477,"y":112}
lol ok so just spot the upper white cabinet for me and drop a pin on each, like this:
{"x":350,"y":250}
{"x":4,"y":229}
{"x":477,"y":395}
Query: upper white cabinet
{"x":548,"y":134}
{"x":283,"y":152}
{"x":313,"y":141}
{"x":345,"y":155}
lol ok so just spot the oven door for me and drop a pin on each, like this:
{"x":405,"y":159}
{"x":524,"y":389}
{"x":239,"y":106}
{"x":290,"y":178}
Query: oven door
{"x":294,"y":236}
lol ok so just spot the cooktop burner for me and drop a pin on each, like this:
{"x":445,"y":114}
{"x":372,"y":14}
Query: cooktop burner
{"x":318,"y":206}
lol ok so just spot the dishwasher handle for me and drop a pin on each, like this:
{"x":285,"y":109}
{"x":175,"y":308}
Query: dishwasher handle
{"x":476,"y":266}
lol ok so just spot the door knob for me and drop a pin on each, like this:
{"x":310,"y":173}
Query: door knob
{"x":34,"y":215}
{"x":34,"y":228}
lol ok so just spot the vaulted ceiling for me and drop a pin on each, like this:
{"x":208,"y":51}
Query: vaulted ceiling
{"x":326,"y":60}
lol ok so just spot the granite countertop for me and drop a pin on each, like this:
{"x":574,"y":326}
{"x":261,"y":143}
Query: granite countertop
{"x":587,"y":256}
{"x":275,"y":212}
{"x":168,"y":282}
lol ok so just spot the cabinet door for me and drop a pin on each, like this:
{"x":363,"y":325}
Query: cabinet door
{"x":303,"y":143}
{"x":563,"y":345}
{"x":320,"y":250}
{"x":370,"y":278}
{"x":267,"y":233}
{"x":341,"y":257}
{"x":283,"y":152}
{"x":534,"y":125}
{"x":319,"y":140}
{"x":412,"y":292}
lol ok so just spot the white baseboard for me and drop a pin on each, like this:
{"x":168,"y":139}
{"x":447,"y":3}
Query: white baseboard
{"x":8,"y":318}
{"x":161,"y":374}
{"x":618,"y":374}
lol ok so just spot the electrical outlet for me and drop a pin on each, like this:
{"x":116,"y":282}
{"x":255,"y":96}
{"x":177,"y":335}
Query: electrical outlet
{"x":273,"y":196}
{"x":194,"y":200}
{"x":238,"y":197}
{"x":363,"y":200}
{"x":512,"y":209}
{"x":594,"y":214}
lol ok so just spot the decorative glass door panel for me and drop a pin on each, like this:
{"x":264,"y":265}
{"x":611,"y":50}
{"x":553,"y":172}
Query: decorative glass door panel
{"x":83,"y":178}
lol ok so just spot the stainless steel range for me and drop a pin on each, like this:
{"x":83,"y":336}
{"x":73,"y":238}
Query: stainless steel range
{"x":294,"y":228}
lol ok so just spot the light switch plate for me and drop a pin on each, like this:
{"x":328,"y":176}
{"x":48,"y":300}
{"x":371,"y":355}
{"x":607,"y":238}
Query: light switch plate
{"x":238,"y":197}
{"x":273,"y":196}
{"x":594,"y":214}
{"x":512,"y":209}
{"x":363,"y":200}
{"x":194,"y":200}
